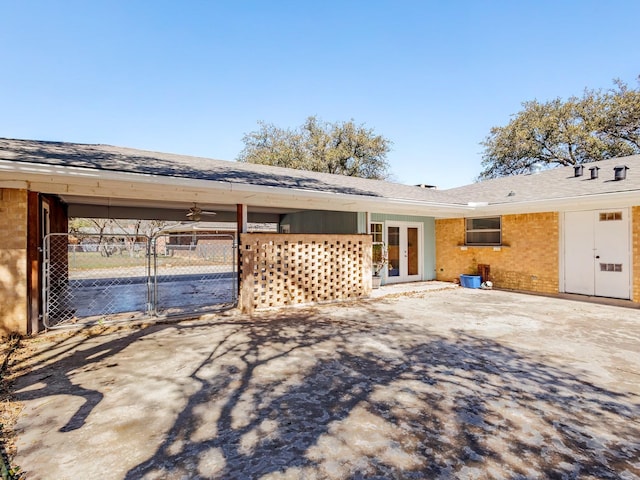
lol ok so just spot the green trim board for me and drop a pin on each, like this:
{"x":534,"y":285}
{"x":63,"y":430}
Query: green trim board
{"x":321,"y":221}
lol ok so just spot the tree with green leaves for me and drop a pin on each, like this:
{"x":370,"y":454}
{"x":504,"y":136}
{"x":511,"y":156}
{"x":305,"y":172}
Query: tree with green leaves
{"x":342,"y":148}
{"x":596,"y":126}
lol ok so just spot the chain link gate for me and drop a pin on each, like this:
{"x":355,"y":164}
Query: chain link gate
{"x":94,"y":278}
{"x":91,"y":278}
{"x":193,"y":273}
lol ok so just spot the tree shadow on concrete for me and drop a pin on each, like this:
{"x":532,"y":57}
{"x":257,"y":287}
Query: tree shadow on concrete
{"x":314,"y":397}
{"x":52,"y":371}
{"x":357,"y":393}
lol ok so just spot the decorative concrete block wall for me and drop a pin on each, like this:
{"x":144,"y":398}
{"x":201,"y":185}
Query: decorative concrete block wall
{"x":289,"y":269}
{"x":13,"y":261}
{"x":528,"y":259}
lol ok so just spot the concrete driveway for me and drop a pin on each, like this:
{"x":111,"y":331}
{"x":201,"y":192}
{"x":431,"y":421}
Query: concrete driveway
{"x":455,"y":383}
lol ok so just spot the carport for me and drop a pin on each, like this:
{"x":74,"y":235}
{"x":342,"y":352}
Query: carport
{"x":97,"y":278}
{"x":43,"y":184}
{"x":180,"y":271}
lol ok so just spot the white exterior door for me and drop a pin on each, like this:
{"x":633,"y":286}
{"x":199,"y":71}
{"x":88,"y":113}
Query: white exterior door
{"x":596,"y":253}
{"x":404,"y":241}
{"x":579,"y":263}
{"x":612,"y":254}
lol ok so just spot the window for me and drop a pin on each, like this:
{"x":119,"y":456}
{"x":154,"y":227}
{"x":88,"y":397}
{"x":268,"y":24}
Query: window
{"x":483,"y":231}
{"x":379,"y":255}
{"x":376,"y":232}
{"x":610,"y":216}
{"x":610,"y":267}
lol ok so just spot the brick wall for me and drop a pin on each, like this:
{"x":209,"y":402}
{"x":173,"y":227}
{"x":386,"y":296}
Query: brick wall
{"x":289,"y":269}
{"x":635,"y":249}
{"x":528,"y":259}
{"x":13,"y":261}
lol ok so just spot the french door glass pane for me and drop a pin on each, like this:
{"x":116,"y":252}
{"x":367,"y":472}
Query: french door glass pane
{"x":412,"y":251}
{"x":394,"y":251}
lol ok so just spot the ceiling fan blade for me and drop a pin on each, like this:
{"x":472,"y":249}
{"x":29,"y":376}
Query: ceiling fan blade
{"x":195,"y":212}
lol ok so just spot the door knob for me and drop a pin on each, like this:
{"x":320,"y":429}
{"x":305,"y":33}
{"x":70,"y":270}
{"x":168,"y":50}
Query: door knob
{"x":597,"y":256}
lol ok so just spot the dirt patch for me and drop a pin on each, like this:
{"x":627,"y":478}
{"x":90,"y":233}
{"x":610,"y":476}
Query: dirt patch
{"x":9,"y":408}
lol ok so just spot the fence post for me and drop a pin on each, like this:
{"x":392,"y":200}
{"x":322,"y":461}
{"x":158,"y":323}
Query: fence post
{"x":246,"y":263}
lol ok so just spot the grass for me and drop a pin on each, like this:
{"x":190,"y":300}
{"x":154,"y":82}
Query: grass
{"x":96,"y":260}
{"x":92,"y":260}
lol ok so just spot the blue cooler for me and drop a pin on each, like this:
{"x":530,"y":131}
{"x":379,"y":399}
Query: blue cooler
{"x":470,"y":281}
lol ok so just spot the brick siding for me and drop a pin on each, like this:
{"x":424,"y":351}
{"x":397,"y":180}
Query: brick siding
{"x":528,"y":259}
{"x":13,"y":261}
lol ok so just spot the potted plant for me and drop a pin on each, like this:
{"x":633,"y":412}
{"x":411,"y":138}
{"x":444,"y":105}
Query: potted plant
{"x":379,"y":258}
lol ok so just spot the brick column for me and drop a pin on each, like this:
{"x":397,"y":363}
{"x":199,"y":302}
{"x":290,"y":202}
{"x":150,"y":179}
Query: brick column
{"x":13,"y":261}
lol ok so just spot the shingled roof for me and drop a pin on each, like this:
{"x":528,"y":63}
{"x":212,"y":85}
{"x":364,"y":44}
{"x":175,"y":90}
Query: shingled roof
{"x":119,"y":159}
{"x":555,"y":183}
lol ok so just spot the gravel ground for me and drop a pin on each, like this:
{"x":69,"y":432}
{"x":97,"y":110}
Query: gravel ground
{"x":455,"y":383}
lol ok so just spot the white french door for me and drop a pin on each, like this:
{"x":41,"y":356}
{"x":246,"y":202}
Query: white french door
{"x":404,"y":242}
{"x":596,"y":253}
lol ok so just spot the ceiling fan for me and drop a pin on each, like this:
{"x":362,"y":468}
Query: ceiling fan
{"x":195,"y":213}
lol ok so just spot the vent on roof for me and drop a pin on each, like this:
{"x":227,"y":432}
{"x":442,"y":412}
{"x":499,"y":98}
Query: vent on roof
{"x":594,"y":172}
{"x":578,"y":170}
{"x":620,"y":172}
{"x":424,"y":185}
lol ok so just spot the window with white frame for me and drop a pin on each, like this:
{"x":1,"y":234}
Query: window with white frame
{"x":483,"y":231}
{"x":376,"y":232}
{"x":378,"y":252}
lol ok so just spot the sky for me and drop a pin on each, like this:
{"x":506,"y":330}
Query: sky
{"x":192,"y":77}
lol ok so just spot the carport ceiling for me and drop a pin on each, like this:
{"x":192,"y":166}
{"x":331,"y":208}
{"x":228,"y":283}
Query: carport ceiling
{"x":106,"y":207}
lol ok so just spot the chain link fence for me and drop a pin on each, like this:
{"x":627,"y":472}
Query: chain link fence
{"x":193,"y":273}
{"x":91,"y":278}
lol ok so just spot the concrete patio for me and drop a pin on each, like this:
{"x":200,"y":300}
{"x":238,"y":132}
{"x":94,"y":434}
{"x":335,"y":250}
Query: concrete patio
{"x":446,"y":383}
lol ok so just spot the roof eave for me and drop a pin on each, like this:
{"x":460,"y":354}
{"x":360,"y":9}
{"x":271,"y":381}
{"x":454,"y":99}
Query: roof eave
{"x":65,"y":180}
{"x":579,"y":202}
